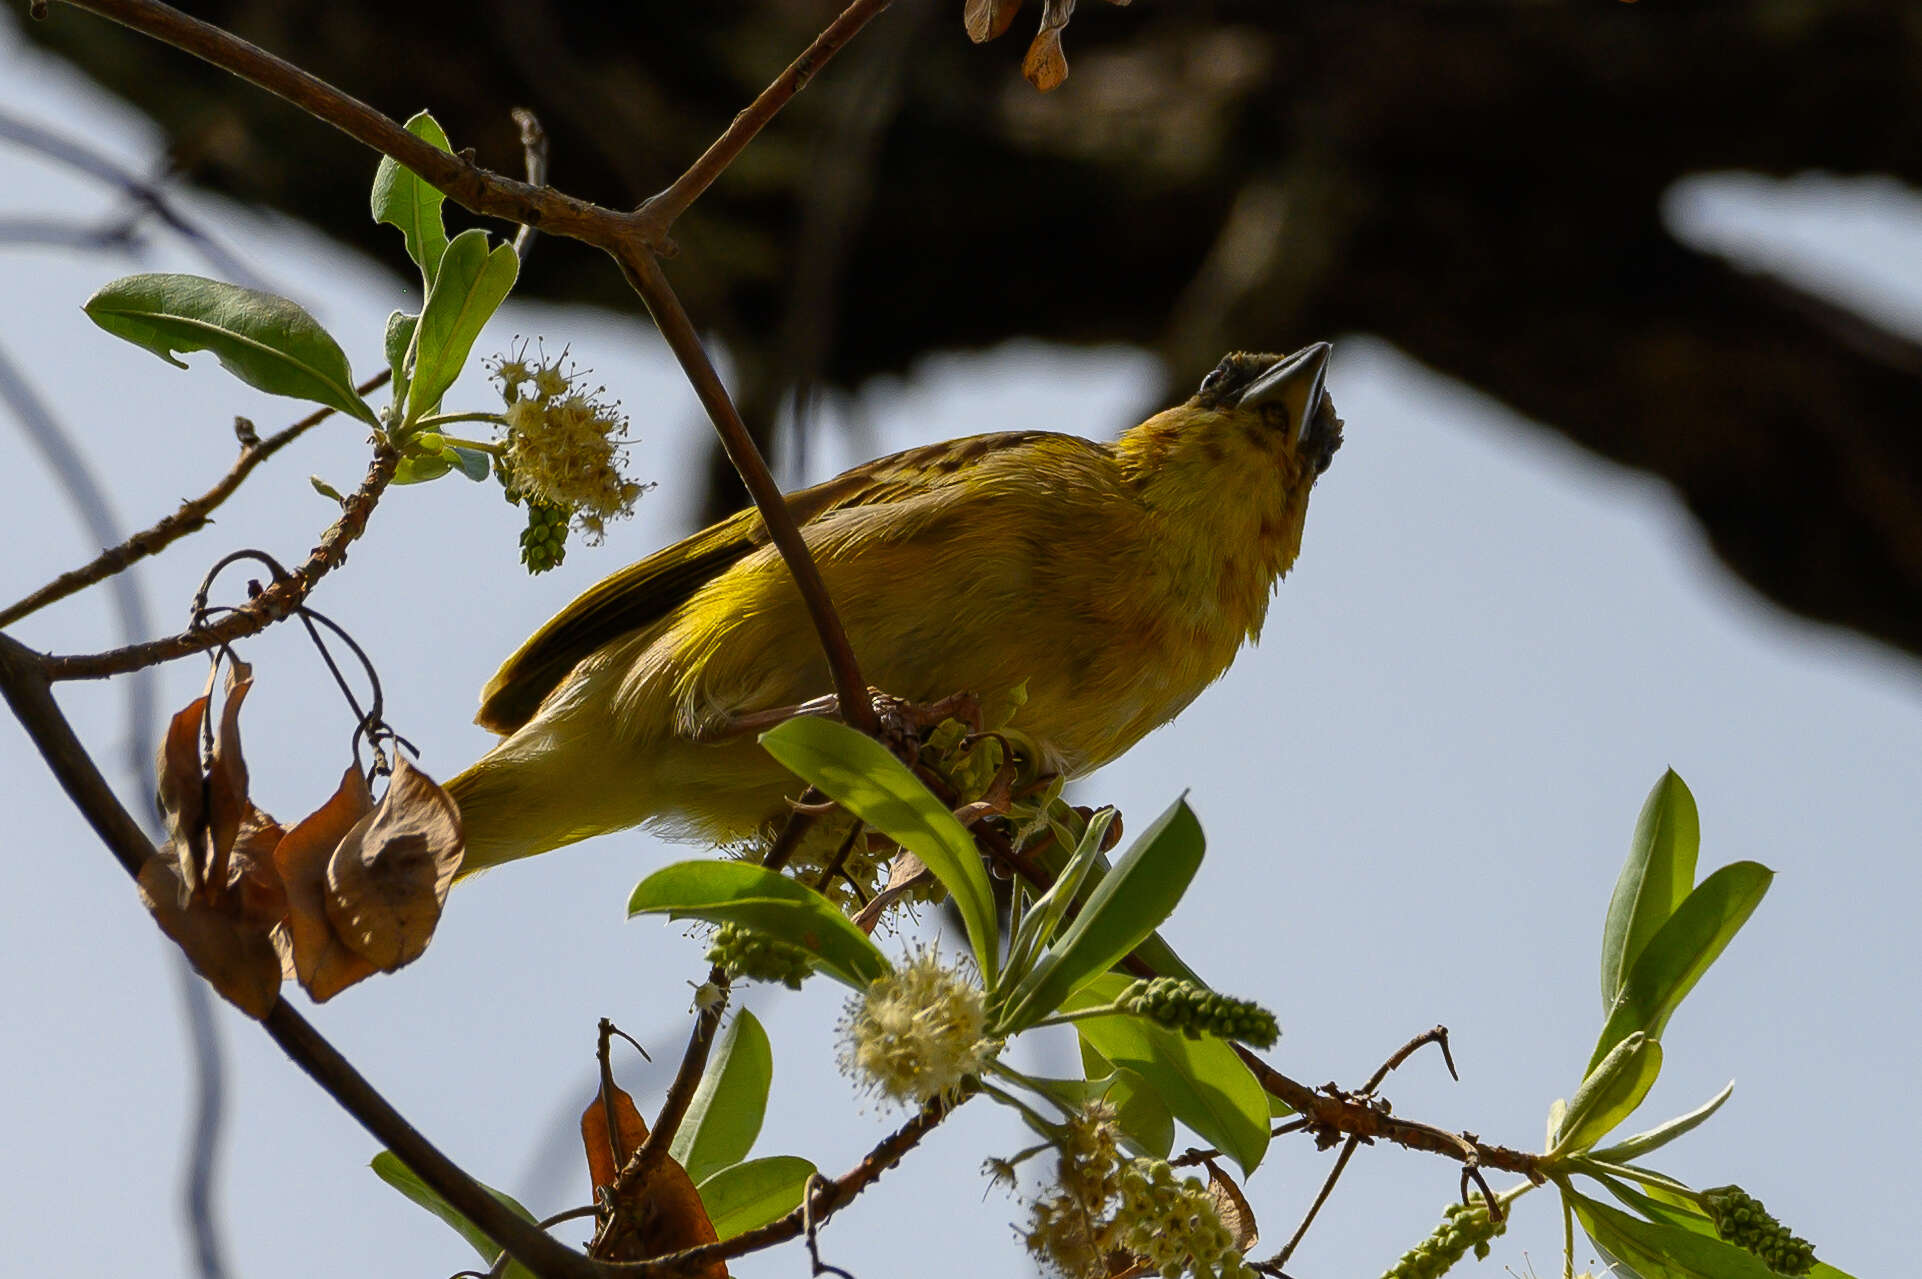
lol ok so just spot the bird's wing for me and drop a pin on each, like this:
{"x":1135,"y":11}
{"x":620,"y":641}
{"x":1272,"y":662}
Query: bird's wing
{"x":645,"y":592}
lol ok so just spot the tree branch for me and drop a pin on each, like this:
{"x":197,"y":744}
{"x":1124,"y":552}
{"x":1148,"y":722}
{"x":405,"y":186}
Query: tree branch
{"x":190,"y":518}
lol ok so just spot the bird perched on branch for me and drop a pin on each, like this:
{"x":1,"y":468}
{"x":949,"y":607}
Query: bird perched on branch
{"x":1113,"y":581}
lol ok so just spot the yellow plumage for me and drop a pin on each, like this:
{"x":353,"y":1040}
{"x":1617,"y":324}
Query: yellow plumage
{"x":1115,"y":581}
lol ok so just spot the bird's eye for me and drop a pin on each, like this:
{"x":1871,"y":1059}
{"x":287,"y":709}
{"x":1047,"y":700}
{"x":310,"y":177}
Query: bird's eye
{"x":1214,"y":379}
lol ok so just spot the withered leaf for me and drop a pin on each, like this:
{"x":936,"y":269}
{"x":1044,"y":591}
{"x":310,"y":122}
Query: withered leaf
{"x":389,"y":877}
{"x":1045,"y":65}
{"x":906,"y":874}
{"x":665,"y":1214}
{"x":311,"y":952}
{"x":181,"y":789}
{"x":237,"y":959}
{"x":1232,"y":1207}
{"x":987,"y":19}
{"x":253,"y":893}
{"x":227,"y":802}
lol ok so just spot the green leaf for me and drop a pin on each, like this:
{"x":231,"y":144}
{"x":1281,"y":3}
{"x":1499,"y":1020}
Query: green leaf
{"x":725,"y":1116}
{"x":388,"y":1167}
{"x":1204,"y":1083}
{"x":1146,"y":1124}
{"x":402,"y":199}
{"x":1610,"y":1093}
{"x":472,"y":463}
{"x":743,"y":893}
{"x":750,"y":1195}
{"x":1044,"y":917}
{"x":1154,"y":952}
{"x":1124,"y":908}
{"x":397,"y":342}
{"x":1659,"y":873}
{"x":472,"y":283}
{"x":268,"y":342}
{"x":1682,"y":950}
{"x":1660,"y":1135}
{"x":419,"y":468}
{"x":858,"y":773}
{"x":1656,"y":1250}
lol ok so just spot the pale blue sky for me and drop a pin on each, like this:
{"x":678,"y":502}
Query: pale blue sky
{"x":1417,"y":791}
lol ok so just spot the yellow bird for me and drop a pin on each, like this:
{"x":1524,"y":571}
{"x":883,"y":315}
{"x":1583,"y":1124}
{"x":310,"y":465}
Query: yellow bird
{"x":1115,"y":581}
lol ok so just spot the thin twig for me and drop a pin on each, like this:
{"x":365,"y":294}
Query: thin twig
{"x":464,"y":182}
{"x":190,"y":517}
{"x":272,"y":604}
{"x":645,"y":275}
{"x":1437,"y":1035}
{"x":534,"y":151}
{"x":658,"y":213}
{"x":680,"y":1094}
{"x":1280,"y":1259}
{"x":827,"y":1199}
{"x":26,"y":690}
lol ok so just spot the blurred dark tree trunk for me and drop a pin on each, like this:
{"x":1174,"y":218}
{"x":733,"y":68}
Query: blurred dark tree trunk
{"x":1477,"y":182}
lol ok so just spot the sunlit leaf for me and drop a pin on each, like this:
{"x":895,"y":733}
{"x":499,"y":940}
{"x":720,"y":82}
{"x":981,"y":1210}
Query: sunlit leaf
{"x":1682,"y":950}
{"x":744,"y":893}
{"x":268,"y":342}
{"x":472,"y":283}
{"x":388,"y":1167}
{"x":1203,"y":1081}
{"x":1124,"y":908}
{"x":725,"y":1116}
{"x":1657,"y":1250}
{"x":859,"y":773}
{"x":402,"y":199}
{"x":1658,"y":874}
{"x":1611,"y":1092}
{"x":749,"y":1195}
{"x":1660,"y":1135}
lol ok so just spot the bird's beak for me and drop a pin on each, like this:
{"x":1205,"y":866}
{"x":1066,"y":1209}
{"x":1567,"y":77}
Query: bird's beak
{"x":1295,"y":383}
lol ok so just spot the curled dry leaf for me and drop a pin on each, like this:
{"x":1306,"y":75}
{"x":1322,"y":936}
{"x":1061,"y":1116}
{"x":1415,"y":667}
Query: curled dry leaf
{"x":1232,"y":1207}
{"x":227,"y":802}
{"x":987,"y":19}
{"x":311,"y":952}
{"x":235,"y":957}
{"x":182,"y":788}
{"x":661,"y":1216}
{"x":389,"y":877}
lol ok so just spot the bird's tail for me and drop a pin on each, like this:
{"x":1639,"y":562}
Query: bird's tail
{"x":515,"y":803}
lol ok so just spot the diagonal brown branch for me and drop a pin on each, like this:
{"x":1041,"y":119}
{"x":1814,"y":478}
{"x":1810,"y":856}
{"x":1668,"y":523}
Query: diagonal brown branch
{"x":263,"y":610}
{"x":190,"y":517}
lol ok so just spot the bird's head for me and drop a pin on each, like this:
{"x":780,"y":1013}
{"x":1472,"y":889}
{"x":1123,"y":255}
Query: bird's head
{"x":1261,"y":413}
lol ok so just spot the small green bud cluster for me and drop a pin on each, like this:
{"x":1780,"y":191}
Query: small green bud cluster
{"x":917,"y":1032}
{"x":1741,"y":1219}
{"x":1463,"y":1227}
{"x":742,"y":952}
{"x":1173,"y":1224}
{"x":1195,"y":1010}
{"x":544,"y":540}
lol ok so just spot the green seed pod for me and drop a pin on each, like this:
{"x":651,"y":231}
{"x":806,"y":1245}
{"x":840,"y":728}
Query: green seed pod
{"x":746,"y":953}
{"x":1741,"y":1219}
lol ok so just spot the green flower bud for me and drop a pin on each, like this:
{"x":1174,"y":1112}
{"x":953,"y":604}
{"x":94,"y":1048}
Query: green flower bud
{"x":746,"y":953}
{"x":1462,"y":1228}
{"x":1741,"y":1219}
{"x":1195,"y":1010}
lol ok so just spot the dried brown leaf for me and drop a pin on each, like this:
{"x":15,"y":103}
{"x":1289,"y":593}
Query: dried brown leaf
{"x":238,"y":960}
{"x":311,"y":952}
{"x":227,"y":802}
{"x":1045,"y":66}
{"x":389,"y":877}
{"x":661,"y":1216}
{"x":181,"y":788}
{"x":906,"y":874}
{"x":253,"y":893}
{"x":987,"y":19}
{"x":1232,"y":1207}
